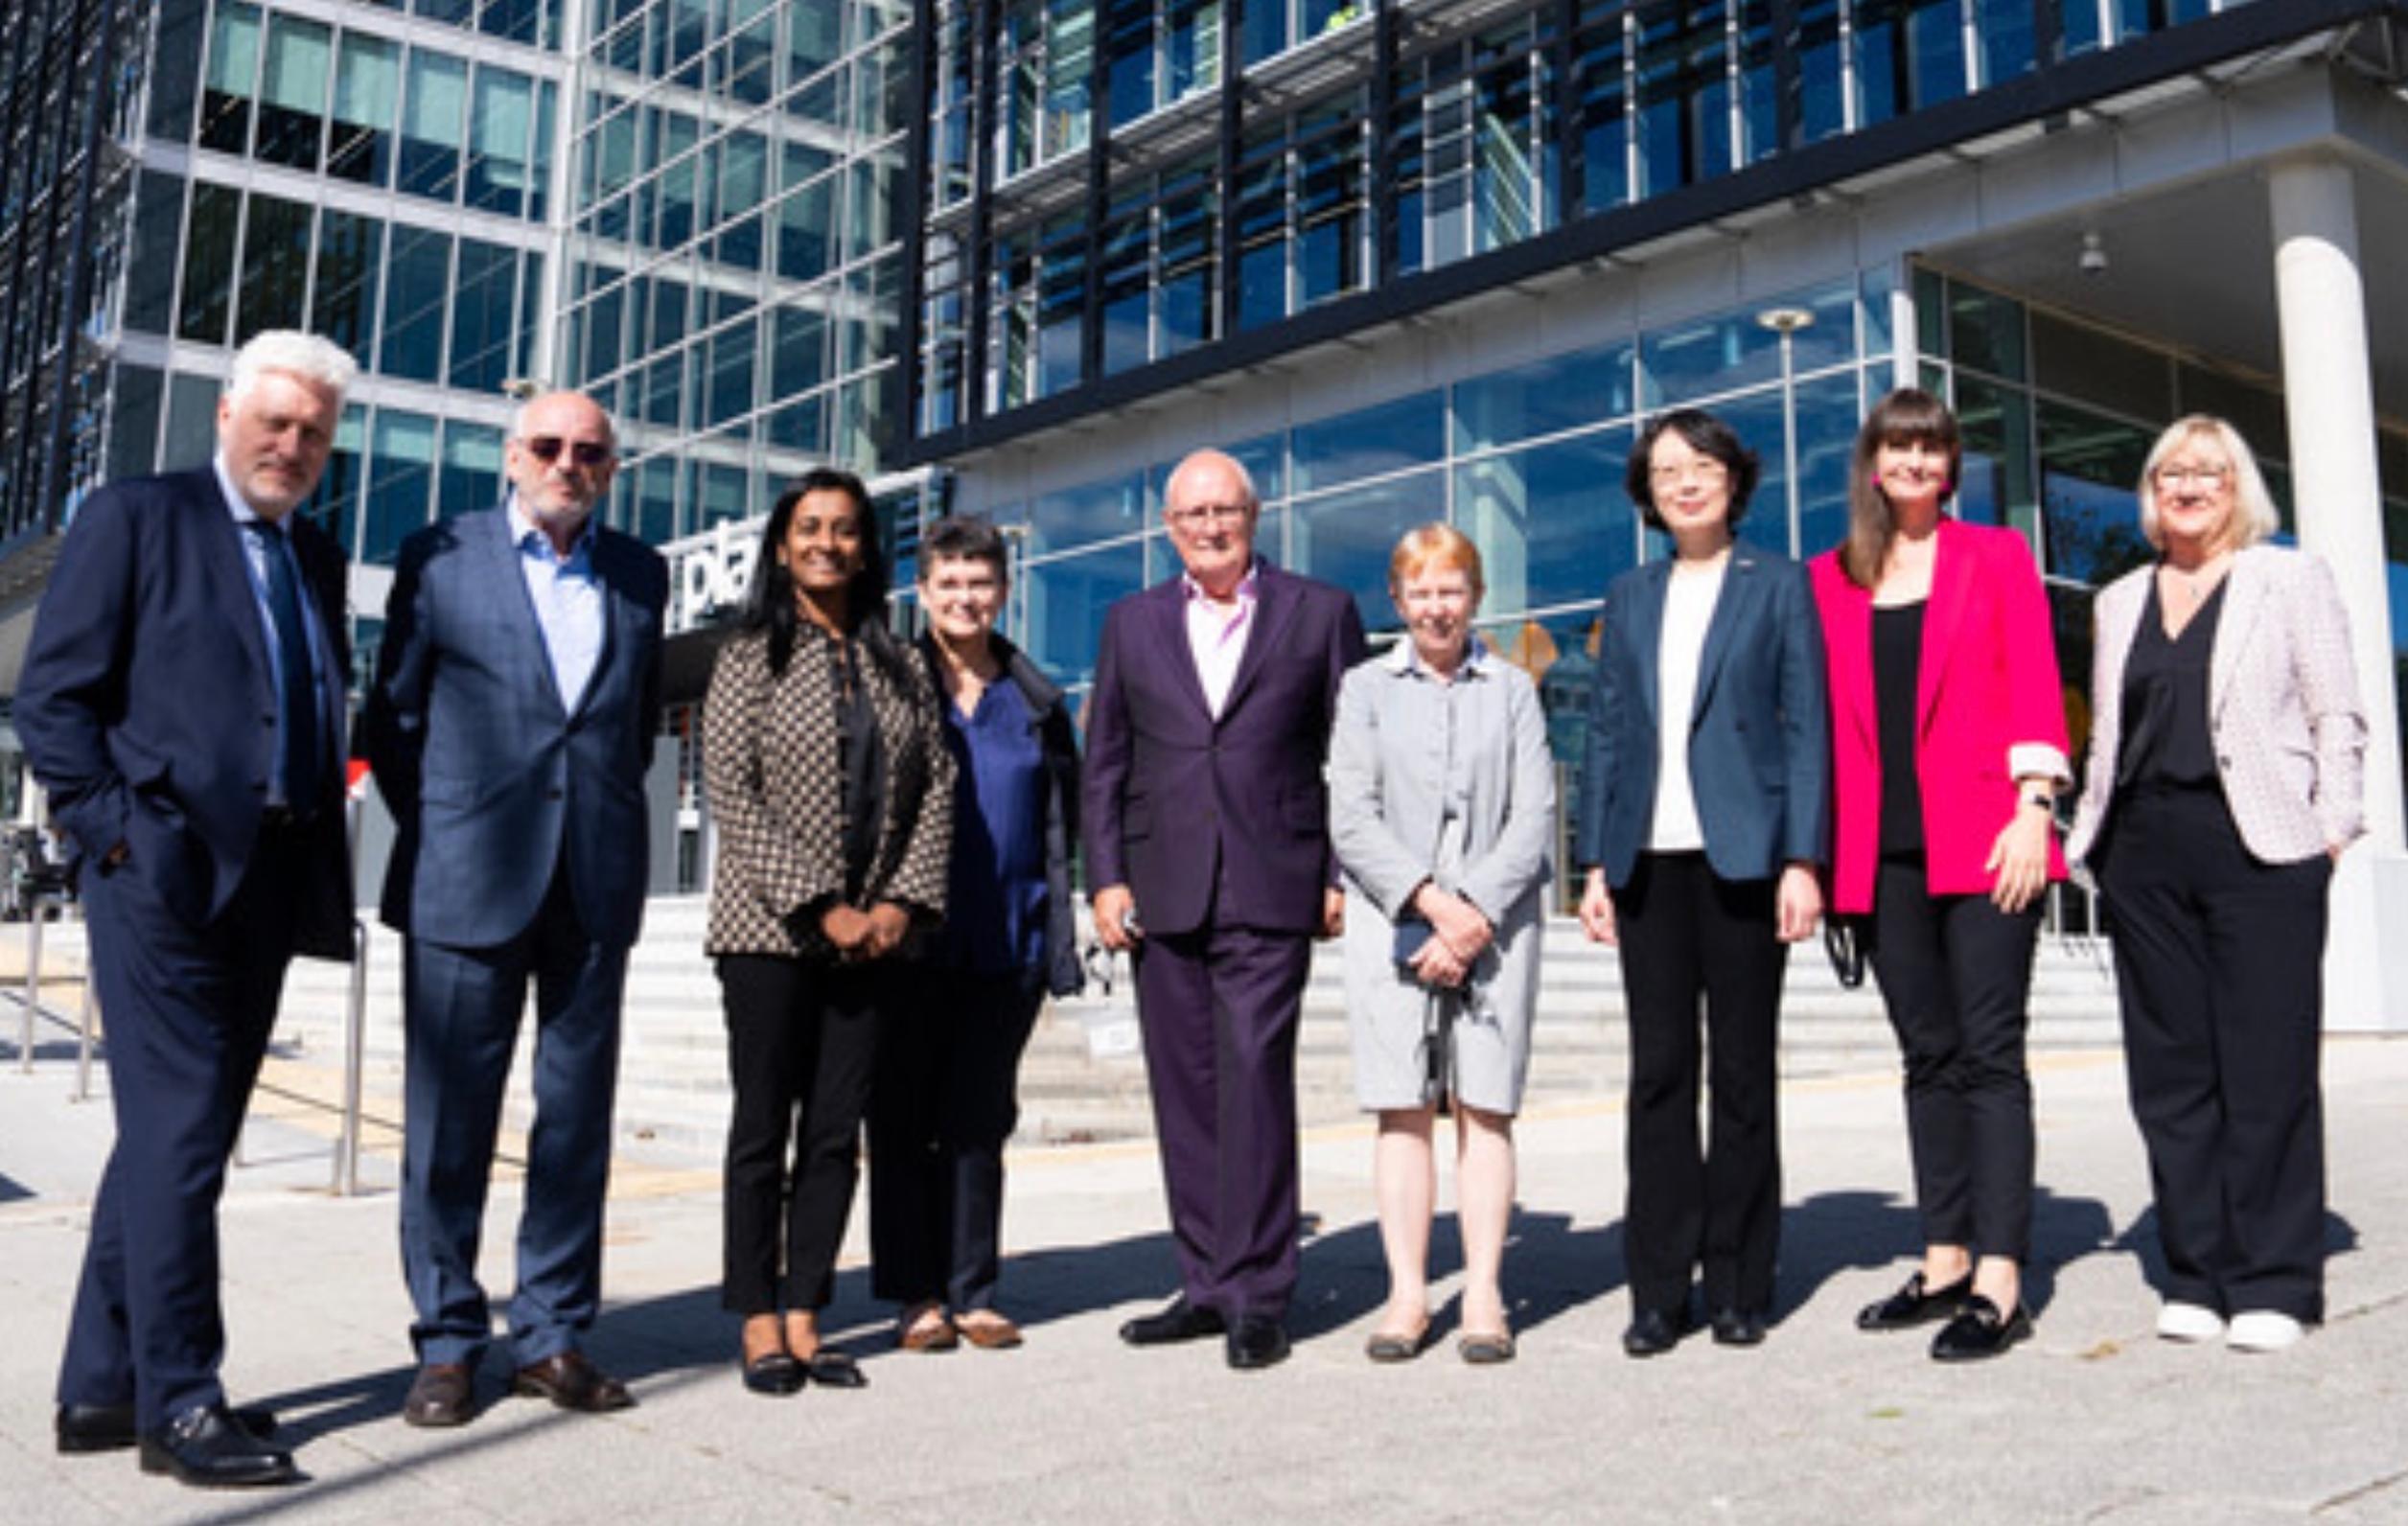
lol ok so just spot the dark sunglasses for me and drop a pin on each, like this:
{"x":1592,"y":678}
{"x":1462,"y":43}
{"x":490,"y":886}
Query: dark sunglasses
{"x":584,"y":452}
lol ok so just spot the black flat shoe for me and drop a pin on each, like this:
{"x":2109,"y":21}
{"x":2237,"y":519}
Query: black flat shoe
{"x":110,"y":1427}
{"x":1653,"y":1333}
{"x":1912,"y":1305}
{"x":833,"y":1370}
{"x":1980,"y":1332}
{"x":1738,"y":1327}
{"x":774,"y":1374}
{"x":1180,"y":1321}
{"x":206,"y":1448}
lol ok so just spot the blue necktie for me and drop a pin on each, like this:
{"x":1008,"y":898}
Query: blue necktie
{"x":296,"y":699}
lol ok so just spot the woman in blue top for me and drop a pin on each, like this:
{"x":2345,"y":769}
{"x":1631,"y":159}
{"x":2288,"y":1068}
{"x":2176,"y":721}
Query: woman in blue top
{"x":949,"y":1059}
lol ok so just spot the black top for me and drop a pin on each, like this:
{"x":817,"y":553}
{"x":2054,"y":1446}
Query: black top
{"x":2166,"y":736}
{"x":1897,"y":661}
{"x":862,"y":760}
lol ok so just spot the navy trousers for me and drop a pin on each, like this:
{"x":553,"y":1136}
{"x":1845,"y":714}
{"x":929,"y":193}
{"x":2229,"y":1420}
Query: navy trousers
{"x":462,"y":1011}
{"x":1218,"y":1010}
{"x":189,"y":1013}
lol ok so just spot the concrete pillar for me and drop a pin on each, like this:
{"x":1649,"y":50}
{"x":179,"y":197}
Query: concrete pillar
{"x":2328,"y":401}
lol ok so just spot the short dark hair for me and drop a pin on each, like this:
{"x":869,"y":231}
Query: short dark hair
{"x":960,"y":538}
{"x":1708,"y":436}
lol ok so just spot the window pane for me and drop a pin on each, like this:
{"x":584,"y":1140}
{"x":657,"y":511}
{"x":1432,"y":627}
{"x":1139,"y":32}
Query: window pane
{"x":175,"y":69}
{"x":192,"y":422}
{"x":1563,"y":392}
{"x":480,"y":315}
{"x":275,"y":267}
{"x":1096,"y":511}
{"x":2089,"y":475}
{"x":432,"y":126}
{"x":232,"y":78}
{"x":499,"y":132}
{"x":292,"y":101}
{"x":416,"y":279}
{"x":729,"y":383}
{"x":368,"y":102}
{"x":471,"y":469}
{"x":151,"y":283}
{"x":1551,"y":522}
{"x":1390,"y":437}
{"x":208,"y":297}
{"x":400,"y":482}
{"x":1828,"y":414}
{"x":1062,"y":605}
{"x":1346,"y":537}
{"x":350,"y":253}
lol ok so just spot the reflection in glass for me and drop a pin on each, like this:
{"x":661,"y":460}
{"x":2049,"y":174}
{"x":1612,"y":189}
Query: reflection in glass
{"x":2090,"y":468}
{"x":1548,"y":397}
{"x":1551,"y":522}
{"x":367,"y":100}
{"x":1095,"y":511}
{"x":400,"y":481}
{"x":1827,"y":411}
{"x":231,"y":79}
{"x":1410,"y":431}
{"x":208,"y":295}
{"x":343,"y":305}
{"x":433,"y":125}
{"x":1346,"y":537}
{"x":416,"y":279}
{"x":471,"y":469}
{"x":499,"y":135}
{"x":275,"y":267}
{"x":293,"y":95}
{"x":1062,"y":605}
{"x":481,"y":331}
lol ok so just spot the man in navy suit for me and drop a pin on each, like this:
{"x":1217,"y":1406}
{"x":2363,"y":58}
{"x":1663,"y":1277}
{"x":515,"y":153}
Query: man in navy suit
{"x":1208,"y":845}
{"x":511,"y":721}
{"x":182,"y":705}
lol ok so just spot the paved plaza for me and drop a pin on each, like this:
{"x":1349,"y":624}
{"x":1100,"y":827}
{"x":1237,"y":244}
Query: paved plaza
{"x":2094,"y":1419}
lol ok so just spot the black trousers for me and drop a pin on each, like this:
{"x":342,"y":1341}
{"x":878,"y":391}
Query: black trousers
{"x":1956,"y":975}
{"x":802,"y":1045}
{"x":1687,"y":935}
{"x":944,"y":1105}
{"x":2218,"y":960}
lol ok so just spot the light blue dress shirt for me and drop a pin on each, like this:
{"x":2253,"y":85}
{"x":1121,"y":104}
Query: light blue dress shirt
{"x":568,"y":600}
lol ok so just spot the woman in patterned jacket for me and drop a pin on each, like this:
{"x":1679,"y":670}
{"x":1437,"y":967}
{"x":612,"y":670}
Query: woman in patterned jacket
{"x":831,"y":789}
{"x":2224,"y":780}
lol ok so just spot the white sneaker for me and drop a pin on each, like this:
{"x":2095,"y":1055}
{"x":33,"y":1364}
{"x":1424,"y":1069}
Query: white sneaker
{"x":2178,"y":1321}
{"x":2263,"y":1329}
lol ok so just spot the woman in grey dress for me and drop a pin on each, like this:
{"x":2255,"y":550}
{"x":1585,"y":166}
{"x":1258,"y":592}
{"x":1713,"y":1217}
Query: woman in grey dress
{"x":1442,"y":808}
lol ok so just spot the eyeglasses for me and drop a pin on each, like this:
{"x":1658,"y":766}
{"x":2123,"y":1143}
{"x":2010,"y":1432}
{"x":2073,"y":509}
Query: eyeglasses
{"x":1199,"y":514}
{"x":1705,"y":470}
{"x":546,"y":448}
{"x":2174,"y":473}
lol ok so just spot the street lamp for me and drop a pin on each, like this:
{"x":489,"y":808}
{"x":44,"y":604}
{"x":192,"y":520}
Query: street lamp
{"x":1788,"y":322}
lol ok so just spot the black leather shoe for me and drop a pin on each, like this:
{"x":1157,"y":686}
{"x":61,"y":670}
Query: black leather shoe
{"x":572,"y":1382}
{"x":834,"y":1369}
{"x":1653,"y":1333}
{"x":110,"y":1427}
{"x":1181,"y":1321}
{"x":774,"y":1374}
{"x":1980,"y":1332}
{"x":1914,"y":1305}
{"x":443,"y":1394}
{"x":205,"y":1448}
{"x":1257,"y":1341}
{"x":1738,"y":1327}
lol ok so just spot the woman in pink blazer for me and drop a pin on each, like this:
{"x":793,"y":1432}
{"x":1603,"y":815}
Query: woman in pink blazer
{"x":1949,"y":744}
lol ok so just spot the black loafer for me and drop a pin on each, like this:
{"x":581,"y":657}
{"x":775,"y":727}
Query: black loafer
{"x":834,"y":1369}
{"x":1181,"y":1321}
{"x":204,"y":1447}
{"x":1257,"y":1341}
{"x":1915,"y":1305}
{"x":774,"y":1374}
{"x":1980,"y":1332}
{"x":1738,"y":1327}
{"x":110,"y":1427}
{"x":1653,"y":1333}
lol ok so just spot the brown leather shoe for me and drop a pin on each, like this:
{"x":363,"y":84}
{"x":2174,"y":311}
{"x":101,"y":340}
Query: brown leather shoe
{"x":924,"y":1328}
{"x":988,"y":1331}
{"x":443,"y":1394}
{"x":572,"y":1382}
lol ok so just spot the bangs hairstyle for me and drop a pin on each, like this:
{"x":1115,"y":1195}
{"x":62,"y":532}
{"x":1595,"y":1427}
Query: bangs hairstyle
{"x":1435,"y":545}
{"x":2252,"y":516}
{"x":956,"y":538}
{"x":1708,"y":436}
{"x":1908,"y":416}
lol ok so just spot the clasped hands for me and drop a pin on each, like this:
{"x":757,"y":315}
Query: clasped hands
{"x":1459,"y":934}
{"x":859,"y":935}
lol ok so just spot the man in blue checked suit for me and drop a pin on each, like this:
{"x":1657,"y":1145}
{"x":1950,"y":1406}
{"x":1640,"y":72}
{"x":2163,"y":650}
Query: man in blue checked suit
{"x":182,"y":705}
{"x":510,"y":726}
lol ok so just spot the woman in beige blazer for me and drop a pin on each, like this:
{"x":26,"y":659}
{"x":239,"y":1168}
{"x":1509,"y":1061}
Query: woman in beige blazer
{"x":2224,"y":779}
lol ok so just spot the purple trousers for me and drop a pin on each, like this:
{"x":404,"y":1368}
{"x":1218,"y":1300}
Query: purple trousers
{"x":1219,"y":1007}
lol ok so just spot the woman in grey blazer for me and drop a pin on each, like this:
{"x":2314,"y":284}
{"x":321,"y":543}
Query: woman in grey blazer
{"x":2224,"y":779}
{"x":1442,"y":806}
{"x":1704,"y":811}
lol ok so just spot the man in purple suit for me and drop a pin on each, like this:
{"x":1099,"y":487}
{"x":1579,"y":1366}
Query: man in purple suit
{"x":1207,"y":849}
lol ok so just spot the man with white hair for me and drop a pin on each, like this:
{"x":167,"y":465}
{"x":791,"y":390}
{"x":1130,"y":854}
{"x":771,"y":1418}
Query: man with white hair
{"x":182,"y":704}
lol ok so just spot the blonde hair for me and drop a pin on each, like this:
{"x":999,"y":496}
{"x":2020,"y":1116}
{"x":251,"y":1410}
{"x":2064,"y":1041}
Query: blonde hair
{"x":2252,"y":516}
{"x":1434,"y":545}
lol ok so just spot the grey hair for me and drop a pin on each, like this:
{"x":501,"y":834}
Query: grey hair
{"x":319,"y":361}
{"x":519,"y":415}
{"x":2252,"y":516}
{"x":1237,"y":468}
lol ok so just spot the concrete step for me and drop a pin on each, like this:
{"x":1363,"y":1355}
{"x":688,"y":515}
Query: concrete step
{"x":1081,"y":1078}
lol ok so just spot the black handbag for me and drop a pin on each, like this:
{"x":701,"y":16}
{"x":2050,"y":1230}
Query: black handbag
{"x":1845,"y":940}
